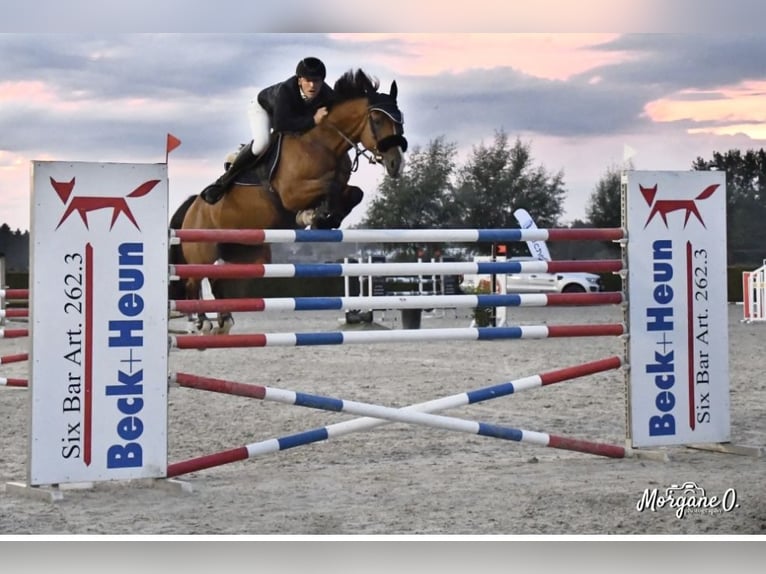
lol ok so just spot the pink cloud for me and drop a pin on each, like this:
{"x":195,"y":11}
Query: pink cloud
{"x":756,"y":131}
{"x":10,"y":160}
{"x":26,"y":91}
{"x":35,"y":94}
{"x":735,"y":109}
{"x":551,"y":56}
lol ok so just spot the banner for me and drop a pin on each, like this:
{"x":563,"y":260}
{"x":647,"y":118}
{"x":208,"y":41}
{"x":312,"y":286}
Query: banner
{"x":98,"y":364}
{"x":538,"y":249}
{"x":678,"y":320}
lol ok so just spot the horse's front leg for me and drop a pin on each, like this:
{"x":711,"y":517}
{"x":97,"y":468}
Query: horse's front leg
{"x":337,"y":205}
{"x":339,"y":198}
{"x":304,"y":197}
{"x":330,"y":209}
{"x":351,"y":197}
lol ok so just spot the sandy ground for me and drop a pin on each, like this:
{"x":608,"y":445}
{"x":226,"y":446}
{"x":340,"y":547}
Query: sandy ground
{"x":400,"y":479}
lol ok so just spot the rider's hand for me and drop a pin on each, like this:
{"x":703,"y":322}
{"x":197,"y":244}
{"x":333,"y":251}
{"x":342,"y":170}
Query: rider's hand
{"x":320,"y":115}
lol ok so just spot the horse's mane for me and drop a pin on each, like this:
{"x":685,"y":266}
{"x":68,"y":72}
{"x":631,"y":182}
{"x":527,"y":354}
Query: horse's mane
{"x":355,"y":84}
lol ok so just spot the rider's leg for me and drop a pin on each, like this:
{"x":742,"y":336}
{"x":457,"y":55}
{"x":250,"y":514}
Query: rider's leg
{"x":260,"y":127}
{"x":215,"y":191}
{"x":248,"y":154}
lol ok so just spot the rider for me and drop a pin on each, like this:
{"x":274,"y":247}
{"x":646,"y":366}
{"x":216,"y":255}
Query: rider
{"x":293,"y":106}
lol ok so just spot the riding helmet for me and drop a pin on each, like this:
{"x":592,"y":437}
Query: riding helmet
{"x":311,"y":68}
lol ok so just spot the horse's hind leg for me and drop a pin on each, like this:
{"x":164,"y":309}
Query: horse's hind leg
{"x":202,"y":324}
{"x":225,"y":319}
{"x":225,"y":323}
{"x":236,"y":288}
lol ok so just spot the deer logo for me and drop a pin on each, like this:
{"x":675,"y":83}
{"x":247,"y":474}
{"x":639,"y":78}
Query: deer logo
{"x":84,"y":205}
{"x":665,"y":206}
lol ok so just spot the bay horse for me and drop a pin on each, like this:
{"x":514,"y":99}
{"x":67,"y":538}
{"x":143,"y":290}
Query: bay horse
{"x":307,"y":187}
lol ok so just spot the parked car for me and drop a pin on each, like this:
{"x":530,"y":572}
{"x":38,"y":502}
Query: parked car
{"x":539,"y":282}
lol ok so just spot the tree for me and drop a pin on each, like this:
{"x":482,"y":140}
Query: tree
{"x":5,"y":238}
{"x":14,"y":246}
{"x":497,"y":180}
{"x":421,"y":197}
{"x":745,"y":202}
{"x":604,"y":208}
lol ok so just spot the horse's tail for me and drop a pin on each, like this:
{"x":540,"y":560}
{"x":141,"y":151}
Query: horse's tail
{"x":176,"y":289}
{"x":177,"y":221}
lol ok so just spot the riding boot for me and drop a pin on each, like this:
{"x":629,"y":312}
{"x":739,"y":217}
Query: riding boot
{"x":215,"y":191}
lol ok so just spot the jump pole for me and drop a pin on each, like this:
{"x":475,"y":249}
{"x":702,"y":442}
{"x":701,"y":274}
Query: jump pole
{"x":11,"y":294}
{"x":404,"y":336}
{"x":288,"y":270}
{"x":260,"y":236}
{"x":395,"y":302}
{"x":375,"y":415}
{"x":17,"y":358}
{"x":9,"y":382}
{"x":13,"y":333}
{"x":13,"y":313}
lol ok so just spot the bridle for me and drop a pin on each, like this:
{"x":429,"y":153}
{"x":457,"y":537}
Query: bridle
{"x":375,"y":155}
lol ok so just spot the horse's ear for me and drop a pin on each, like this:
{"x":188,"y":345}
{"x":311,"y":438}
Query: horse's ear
{"x":394,"y":89}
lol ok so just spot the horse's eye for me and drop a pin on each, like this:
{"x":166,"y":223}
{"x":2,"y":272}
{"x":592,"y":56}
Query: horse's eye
{"x":380,"y":118}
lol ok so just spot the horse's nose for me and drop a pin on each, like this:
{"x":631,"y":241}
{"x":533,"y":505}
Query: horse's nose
{"x":393,"y":161}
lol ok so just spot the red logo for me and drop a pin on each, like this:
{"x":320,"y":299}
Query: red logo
{"x":665,"y":206}
{"x":84,"y":205}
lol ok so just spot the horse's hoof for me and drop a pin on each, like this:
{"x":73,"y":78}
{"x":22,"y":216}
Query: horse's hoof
{"x":225,"y":327}
{"x":304,"y":218}
{"x":327,"y":222}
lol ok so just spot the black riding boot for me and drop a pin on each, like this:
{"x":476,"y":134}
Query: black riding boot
{"x":215,"y":191}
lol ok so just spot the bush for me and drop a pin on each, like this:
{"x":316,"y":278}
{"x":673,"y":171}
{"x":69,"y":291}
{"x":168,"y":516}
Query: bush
{"x":482,"y":316}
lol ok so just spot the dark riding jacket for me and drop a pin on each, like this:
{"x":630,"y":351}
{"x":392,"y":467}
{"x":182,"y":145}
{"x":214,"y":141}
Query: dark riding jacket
{"x":289,"y":112}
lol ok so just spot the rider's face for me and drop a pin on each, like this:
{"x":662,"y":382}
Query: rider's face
{"x":310,"y":86}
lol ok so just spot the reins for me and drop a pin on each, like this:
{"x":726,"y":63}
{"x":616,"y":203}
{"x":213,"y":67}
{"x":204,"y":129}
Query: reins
{"x":371,"y":157}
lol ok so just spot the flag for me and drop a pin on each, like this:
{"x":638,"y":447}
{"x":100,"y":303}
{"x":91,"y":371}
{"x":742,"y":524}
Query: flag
{"x":628,"y":152}
{"x":172,"y":143}
{"x":538,"y":249}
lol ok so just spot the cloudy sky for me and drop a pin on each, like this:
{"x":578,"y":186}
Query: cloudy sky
{"x":580,"y":100}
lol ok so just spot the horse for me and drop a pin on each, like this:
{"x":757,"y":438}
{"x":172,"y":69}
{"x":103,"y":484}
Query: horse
{"x":307,"y":187}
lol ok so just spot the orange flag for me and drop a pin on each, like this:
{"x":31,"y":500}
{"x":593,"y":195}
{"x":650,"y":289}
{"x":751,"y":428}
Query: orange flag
{"x":172,"y":143}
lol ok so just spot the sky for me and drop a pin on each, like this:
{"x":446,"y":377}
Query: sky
{"x":580,"y":81}
{"x":584,"y":102}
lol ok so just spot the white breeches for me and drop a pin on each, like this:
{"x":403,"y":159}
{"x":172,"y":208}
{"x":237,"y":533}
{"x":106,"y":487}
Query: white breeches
{"x":260,"y":126}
